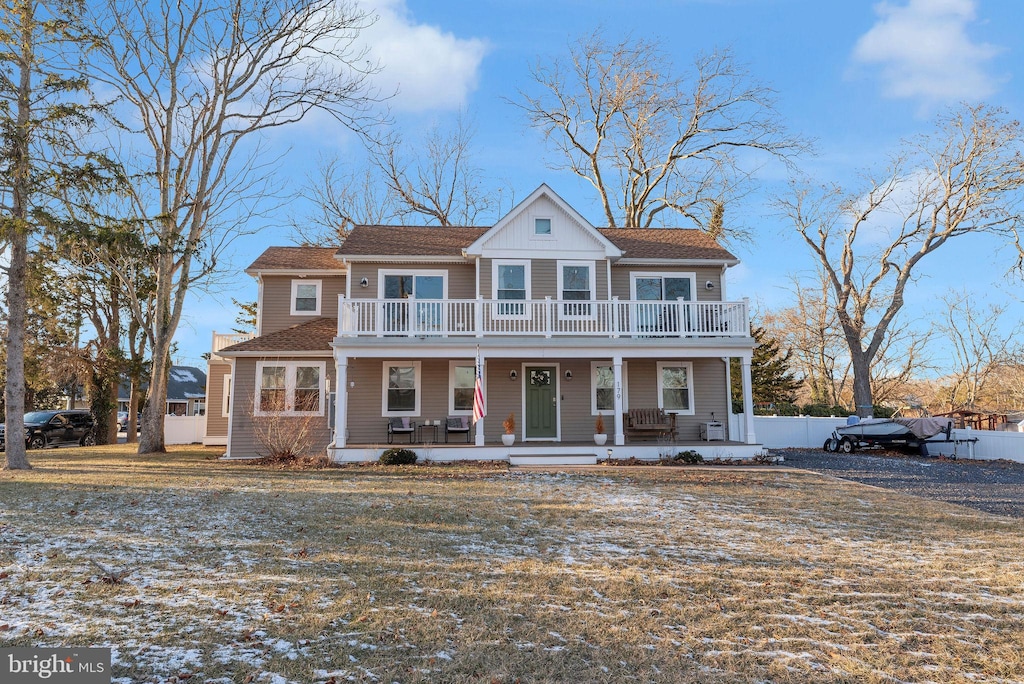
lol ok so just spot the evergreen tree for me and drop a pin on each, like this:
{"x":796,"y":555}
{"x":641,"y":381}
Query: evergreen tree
{"x":771,"y":379}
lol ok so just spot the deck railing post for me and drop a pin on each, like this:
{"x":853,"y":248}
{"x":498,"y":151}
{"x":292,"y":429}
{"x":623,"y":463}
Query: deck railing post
{"x":549,"y":323}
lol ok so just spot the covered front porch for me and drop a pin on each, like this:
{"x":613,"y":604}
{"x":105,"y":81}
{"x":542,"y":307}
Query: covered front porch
{"x":554,"y":453}
{"x":406,"y":390}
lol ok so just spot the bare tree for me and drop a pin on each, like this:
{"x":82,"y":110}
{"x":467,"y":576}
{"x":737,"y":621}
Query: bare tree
{"x":657,"y":146}
{"x":200,"y":81}
{"x":433,"y":181}
{"x":962,"y":180}
{"x":342,"y":199}
{"x":809,"y":330}
{"x":436,"y":180}
{"x":978,"y":343}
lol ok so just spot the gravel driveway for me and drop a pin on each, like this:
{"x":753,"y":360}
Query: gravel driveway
{"x":990,"y":486}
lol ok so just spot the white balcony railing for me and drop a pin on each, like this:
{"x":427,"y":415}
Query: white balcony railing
{"x":540,"y":317}
{"x":224,"y":340}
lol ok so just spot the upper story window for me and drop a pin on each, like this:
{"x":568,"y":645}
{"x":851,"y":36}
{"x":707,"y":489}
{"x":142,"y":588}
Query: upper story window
{"x":665,"y":287}
{"x":576,"y":282}
{"x":511,"y":281}
{"x":542,"y":226}
{"x":306,"y":297}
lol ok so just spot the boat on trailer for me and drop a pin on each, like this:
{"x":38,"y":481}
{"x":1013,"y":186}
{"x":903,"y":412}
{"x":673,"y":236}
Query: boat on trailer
{"x":905,"y":433}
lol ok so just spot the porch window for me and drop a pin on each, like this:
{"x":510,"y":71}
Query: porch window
{"x":660,"y":288}
{"x":576,"y":282}
{"x":462,"y":380}
{"x":401,"y":388}
{"x":675,"y":387}
{"x":511,"y":282}
{"x":418,"y":300}
{"x":306,"y":297}
{"x":602,"y":388}
{"x":291,"y":388}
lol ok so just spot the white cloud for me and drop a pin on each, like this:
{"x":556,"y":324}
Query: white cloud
{"x":924,"y":51}
{"x":431,"y":69}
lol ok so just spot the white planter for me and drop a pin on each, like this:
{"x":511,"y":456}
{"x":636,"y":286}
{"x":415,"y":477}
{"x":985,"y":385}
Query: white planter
{"x":508,"y":440}
{"x":600,"y":439}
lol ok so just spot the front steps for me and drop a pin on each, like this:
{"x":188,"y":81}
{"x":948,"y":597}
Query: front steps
{"x":552,"y":459}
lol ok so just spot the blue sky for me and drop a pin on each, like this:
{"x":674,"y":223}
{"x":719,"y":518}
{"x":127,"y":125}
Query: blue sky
{"x":854,"y":75}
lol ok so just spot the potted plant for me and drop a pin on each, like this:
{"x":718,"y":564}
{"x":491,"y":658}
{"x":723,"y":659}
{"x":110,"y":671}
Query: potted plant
{"x":510,"y":430}
{"x":599,"y":436}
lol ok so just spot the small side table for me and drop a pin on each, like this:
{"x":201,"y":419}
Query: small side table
{"x":712,"y":432}
{"x":421,"y":433}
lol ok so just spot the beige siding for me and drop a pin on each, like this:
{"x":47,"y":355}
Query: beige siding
{"x":216,"y":422}
{"x":244,"y":443}
{"x":622,"y":281}
{"x":544,"y":279}
{"x":461,"y":278}
{"x":709,"y":392}
{"x":277,"y":293}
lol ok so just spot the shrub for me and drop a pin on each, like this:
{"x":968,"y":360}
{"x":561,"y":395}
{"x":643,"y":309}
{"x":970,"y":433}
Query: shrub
{"x":689,"y":456}
{"x":398,"y":456}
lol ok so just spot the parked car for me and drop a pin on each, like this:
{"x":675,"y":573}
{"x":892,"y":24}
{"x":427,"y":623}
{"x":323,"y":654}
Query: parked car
{"x":48,"y":428}
{"x":122,"y":421}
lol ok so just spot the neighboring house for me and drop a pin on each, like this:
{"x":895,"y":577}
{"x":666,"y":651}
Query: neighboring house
{"x":186,"y":392}
{"x":567,"y":321}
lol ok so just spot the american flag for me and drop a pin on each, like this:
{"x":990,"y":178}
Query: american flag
{"x":478,"y":391}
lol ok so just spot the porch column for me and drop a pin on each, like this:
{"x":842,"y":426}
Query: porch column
{"x":620,"y":433}
{"x":340,"y":401}
{"x":479,"y":439}
{"x":748,"y":401}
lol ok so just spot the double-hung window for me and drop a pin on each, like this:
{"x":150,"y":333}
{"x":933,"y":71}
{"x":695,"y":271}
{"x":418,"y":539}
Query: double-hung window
{"x":462,"y":380}
{"x":576,"y":283}
{"x":511,"y":281}
{"x":401,"y":384}
{"x":675,"y":387}
{"x":290,"y":387}
{"x":306,"y":297}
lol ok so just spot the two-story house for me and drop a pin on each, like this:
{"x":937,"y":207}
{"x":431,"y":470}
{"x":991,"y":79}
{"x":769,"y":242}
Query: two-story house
{"x":382,"y":339}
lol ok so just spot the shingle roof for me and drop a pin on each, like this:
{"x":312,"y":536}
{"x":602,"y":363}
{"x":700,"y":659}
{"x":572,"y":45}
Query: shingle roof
{"x":297,"y":258}
{"x":409,"y":240}
{"x":637,"y":243}
{"x":666,"y":243}
{"x":183,"y":383}
{"x":313,"y":335}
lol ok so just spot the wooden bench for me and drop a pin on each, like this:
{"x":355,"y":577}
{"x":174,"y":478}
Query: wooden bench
{"x":649,"y":422}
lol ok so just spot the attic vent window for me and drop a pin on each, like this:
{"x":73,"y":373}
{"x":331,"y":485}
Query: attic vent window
{"x":542,"y":226}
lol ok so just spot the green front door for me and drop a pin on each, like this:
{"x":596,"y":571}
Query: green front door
{"x":541,"y":403}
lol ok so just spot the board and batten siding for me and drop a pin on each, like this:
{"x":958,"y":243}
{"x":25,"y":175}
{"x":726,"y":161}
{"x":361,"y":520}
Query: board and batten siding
{"x":216,"y":421}
{"x":244,"y":443}
{"x":622,"y":279}
{"x":461,"y":278}
{"x":277,"y":301}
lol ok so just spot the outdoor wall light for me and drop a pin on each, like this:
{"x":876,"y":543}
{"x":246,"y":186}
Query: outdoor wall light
{"x":366,"y":281}
{"x":709,"y":285}
{"x":512,"y":374}
{"x":351,"y":383}
{"x":568,"y":375}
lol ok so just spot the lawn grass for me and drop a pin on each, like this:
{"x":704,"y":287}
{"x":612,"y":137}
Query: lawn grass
{"x":242,"y":573}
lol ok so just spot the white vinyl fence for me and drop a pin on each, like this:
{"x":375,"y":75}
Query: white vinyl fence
{"x":184,"y":429}
{"x":780,"y":432}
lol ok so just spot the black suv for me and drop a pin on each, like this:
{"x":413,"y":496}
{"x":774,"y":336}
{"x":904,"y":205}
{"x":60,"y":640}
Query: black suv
{"x":45,"y":428}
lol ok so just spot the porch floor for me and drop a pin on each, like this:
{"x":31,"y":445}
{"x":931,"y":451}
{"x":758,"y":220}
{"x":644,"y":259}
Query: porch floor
{"x":565,"y":452}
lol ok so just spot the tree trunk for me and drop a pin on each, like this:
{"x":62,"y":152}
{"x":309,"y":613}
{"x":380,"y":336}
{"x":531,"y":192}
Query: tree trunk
{"x":862,"y":397}
{"x":17,"y":288}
